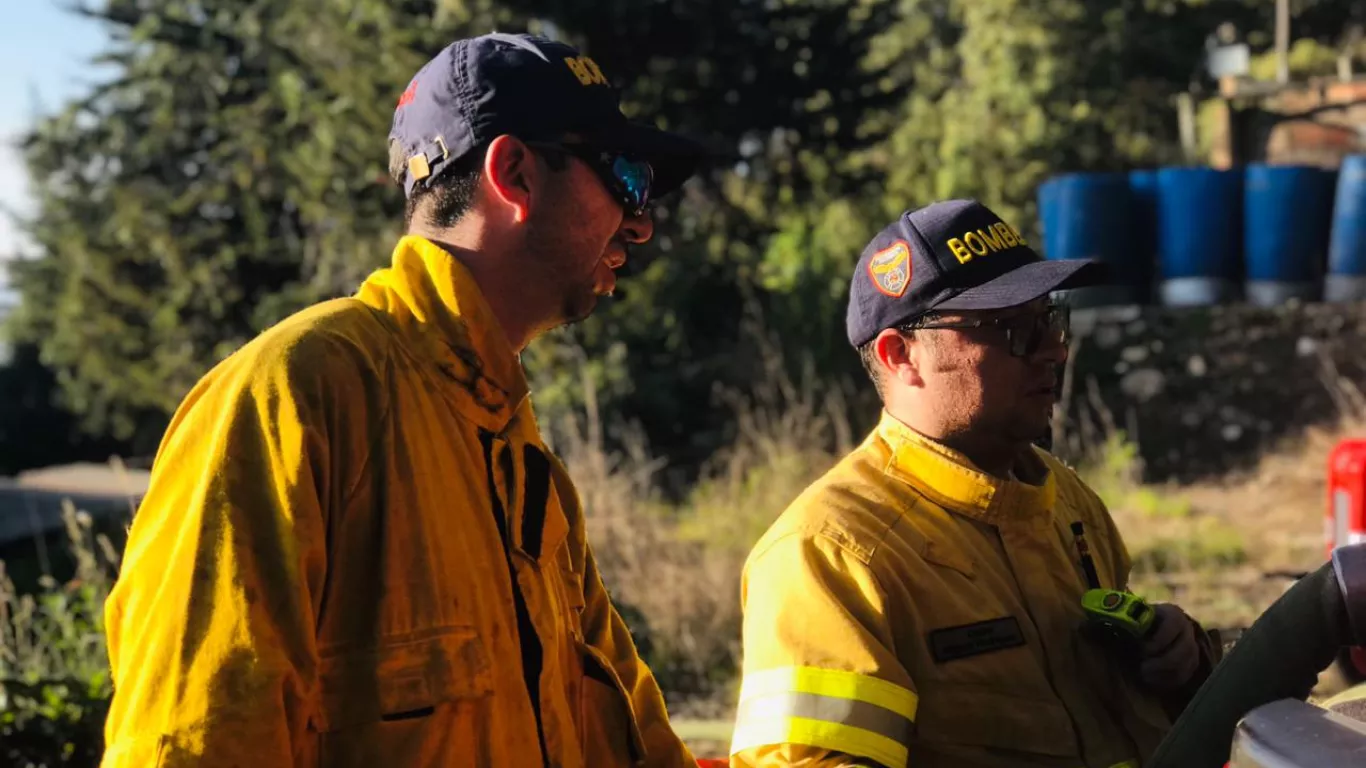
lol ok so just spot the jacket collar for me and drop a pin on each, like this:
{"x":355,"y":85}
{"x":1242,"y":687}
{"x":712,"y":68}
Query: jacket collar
{"x":952,"y":481}
{"x":436,"y":302}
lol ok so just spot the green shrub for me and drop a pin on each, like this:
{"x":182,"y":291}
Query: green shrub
{"x":52,"y":723}
{"x":55,"y":683}
{"x":1206,"y":544}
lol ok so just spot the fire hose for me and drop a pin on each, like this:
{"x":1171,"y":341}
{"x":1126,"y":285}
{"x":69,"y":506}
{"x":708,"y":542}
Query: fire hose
{"x":1278,"y":657}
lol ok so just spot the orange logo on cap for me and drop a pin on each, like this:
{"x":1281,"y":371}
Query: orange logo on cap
{"x":890,"y":269}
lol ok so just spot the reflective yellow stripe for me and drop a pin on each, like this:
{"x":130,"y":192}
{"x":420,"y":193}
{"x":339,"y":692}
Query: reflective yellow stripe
{"x":831,"y":682}
{"x":830,"y":709}
{"x":818,"y":733}
{"x":1126,"y":764}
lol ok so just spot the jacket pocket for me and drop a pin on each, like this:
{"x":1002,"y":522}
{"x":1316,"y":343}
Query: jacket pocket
{"x":1003,"y":723}
{"x":406,"y":678}
{"x":607,"y":725}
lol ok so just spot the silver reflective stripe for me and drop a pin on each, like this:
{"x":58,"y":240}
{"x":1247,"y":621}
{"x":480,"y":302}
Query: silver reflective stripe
{"x":829,"y":709}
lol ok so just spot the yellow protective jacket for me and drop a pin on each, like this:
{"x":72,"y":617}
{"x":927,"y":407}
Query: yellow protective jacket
{"x":908,"y":609}
{"x":322,"y":571}
{"x":1350,"y":702}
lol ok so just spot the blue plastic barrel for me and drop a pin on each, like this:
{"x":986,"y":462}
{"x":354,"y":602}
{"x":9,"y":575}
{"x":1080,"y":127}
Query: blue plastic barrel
{"x":1346,"y":279}
{"x":1199,"y":234}
{"x":1287,"y":212}
{"x":1087,"y":216}
{"x":1143,"y":224}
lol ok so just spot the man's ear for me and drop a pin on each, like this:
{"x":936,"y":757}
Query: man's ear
{"x":510,"y":174}
{"x":901,"y":356}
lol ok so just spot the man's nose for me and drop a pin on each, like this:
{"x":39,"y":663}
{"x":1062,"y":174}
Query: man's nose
{"x":638,"y":229}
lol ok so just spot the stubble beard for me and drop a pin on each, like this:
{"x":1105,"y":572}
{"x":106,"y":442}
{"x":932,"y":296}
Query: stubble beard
{"x":579,"y":303}
{"x":575,"y":294}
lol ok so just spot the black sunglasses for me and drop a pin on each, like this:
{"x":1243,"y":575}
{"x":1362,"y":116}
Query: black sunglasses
{"x":1024,"y":333}
{"x":628,"y":179}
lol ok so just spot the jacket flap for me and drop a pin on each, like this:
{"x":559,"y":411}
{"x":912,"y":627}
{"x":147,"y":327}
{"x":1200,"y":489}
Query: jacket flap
{"x":940,"y":554}
{"x":542,"y":525}
{"x":573,"y":587}
{"x":402,"y":676}
{"x":608,"y":719}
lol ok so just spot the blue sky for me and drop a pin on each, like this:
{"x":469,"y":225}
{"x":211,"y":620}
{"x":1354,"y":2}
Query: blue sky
{"x":44,"y":55}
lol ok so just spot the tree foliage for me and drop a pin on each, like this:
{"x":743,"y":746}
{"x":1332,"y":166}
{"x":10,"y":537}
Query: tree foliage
{"x":234,"y":170}
{"x":231,"y":172}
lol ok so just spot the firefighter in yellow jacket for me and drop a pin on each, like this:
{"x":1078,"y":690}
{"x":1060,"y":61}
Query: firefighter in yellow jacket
{"x":920,"y":604}
{"x":356,"y":548}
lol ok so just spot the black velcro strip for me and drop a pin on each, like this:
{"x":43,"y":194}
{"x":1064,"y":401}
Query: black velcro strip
{"x":534,"y":499}
{"x":526,"y":629}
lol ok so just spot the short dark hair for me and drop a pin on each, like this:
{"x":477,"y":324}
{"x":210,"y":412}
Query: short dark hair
{"x":868,"y":356}
{"x":867,"y":352}
{"x":444,"y":200}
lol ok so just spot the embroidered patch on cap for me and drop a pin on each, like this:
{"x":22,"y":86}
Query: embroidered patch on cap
{"x":890,"y":269}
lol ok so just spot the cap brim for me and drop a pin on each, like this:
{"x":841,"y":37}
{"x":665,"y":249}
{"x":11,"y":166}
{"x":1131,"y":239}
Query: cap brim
{"x":1027,"y":283}
{"x":673,"y":157}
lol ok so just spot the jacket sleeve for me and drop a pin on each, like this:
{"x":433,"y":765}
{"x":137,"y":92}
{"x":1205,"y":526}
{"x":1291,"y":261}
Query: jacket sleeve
{"x":605,"y":630}
{"x":211,"y":622}
{"x":821,"y":683}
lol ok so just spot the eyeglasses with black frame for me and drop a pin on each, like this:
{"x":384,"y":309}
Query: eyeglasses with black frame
{"x":1025,"y":333}
{"x":628,"y":179}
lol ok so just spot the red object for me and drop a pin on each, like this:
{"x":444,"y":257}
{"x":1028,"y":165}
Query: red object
{"x":713,"y":762}
{"x":1345,"y":521}
{"x":1358,"y":656}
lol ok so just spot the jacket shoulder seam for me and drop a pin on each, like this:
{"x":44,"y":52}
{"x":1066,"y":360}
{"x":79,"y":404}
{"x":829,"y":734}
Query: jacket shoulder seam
{"x":386,"y":407}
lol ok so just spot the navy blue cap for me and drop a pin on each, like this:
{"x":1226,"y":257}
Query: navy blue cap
{"x":951,"y":255}
{"x":526,"y":86}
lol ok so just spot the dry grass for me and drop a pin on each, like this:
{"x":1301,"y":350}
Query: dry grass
{"x":1225,"y":550}
{"x":675,"y":568}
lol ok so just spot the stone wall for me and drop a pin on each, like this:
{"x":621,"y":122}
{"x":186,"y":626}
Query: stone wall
{"x":1205,"y":391}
